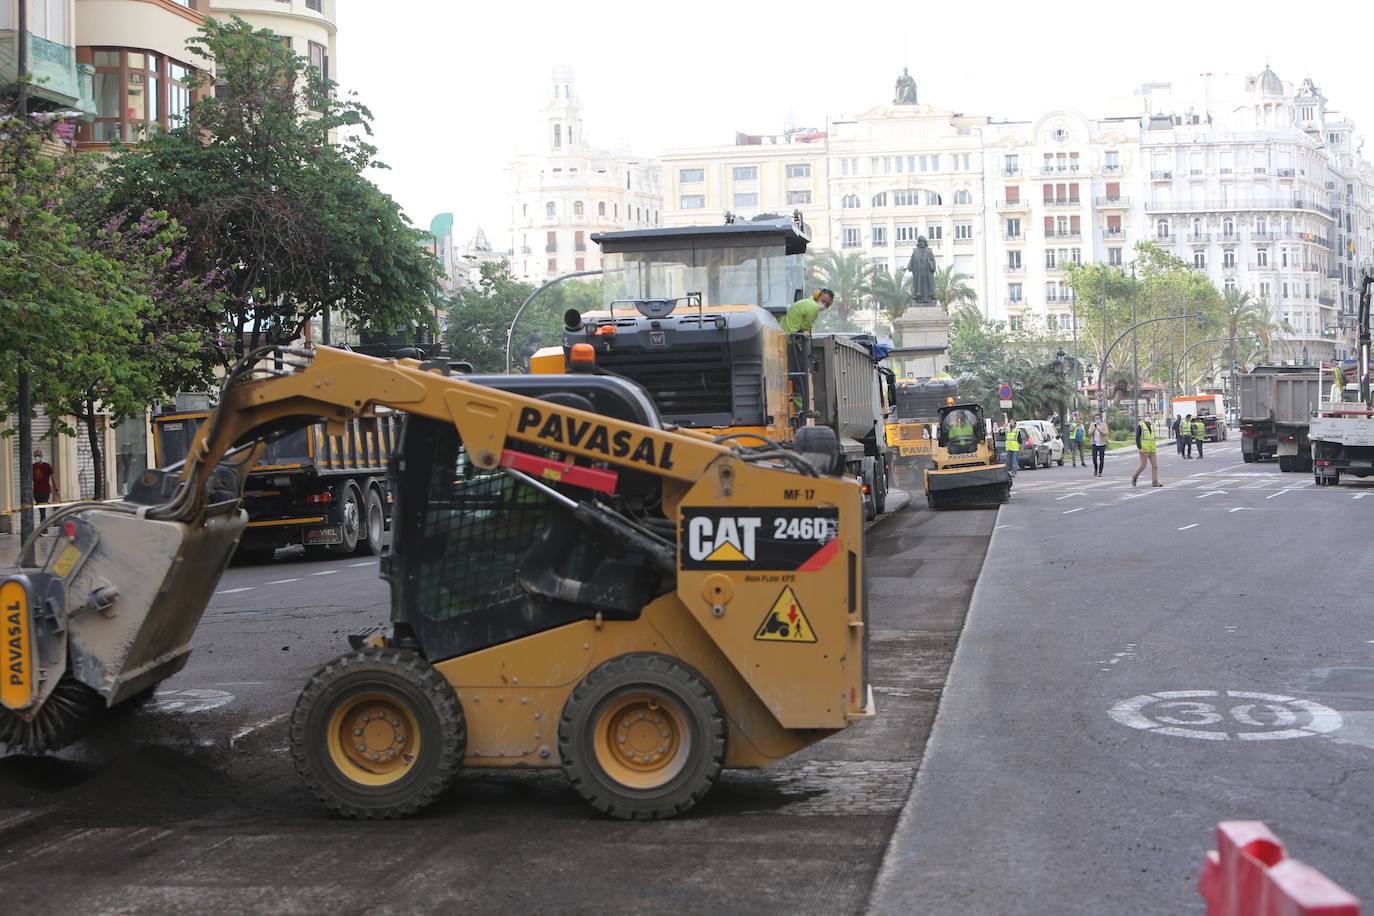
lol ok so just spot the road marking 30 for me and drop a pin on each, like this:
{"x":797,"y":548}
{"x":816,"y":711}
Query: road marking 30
{"x":1244,"y":715}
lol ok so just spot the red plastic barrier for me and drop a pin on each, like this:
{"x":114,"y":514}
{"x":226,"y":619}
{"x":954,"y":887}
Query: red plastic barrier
{"x":1248,"y":874}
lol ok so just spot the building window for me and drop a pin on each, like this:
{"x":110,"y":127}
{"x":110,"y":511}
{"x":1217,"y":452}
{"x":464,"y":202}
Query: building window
{"x":906,"y":198}
{"x":933,"y":199}
{"x":1076,"y":255}
{"x":550,"y":210}
{"x":844,"y":166}
{"x":1261,"y":227}
{"x":907,"y":234}
{"x":1014,"y":227}
{"x":880,"y":199}
{"x":1283,"y":257}
{"x":1049,"y":259}
{"x":935,"y":233}
{"x":1200,"y":260}
{"x":136,"y":92}
{"x":1262,"y":257}
{"x":750,"y":199}
{"x":745,"y":173}
{"x":1051,"y":291}
{"x":798,"y":197}
{"x":557,"y":135}
{"x":316,"y":5}
{"x":1112,"y":160}
{"x":1114,"y":257}
{"x":1162,"y":229}
{"x":1014,"y":260}
{"x":579,"y":241}
{"x":1228,"y":227}
{"x":1229,"y":284}
{"x":1052,"y":321}
{"x":577,"y":208}
{"x":963,"y":231}
{"x":692,"y":202}
{"x":1014,"y":292}
{"x":849,"y":202}
{"x":553,"y":265}
{"x":524,"y":209}
{"x":1014,"y":322}
{"x":319,"y":59}
{"x":600,"y":208}
{"x":851,"y":237}
{"x":1010,"y":164}
{"x":691,"y":176}
{"x":879,"y":236}
{"x":962,"y":198}
{"x":799,"y":170}
{"x":1264,"y":290}
{"x":1228,"y":258}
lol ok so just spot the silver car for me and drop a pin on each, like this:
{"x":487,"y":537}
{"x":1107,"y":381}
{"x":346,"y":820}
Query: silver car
{"x":1049,"y":447}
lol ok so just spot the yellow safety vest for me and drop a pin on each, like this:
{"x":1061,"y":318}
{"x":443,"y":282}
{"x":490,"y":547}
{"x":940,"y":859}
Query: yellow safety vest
{"x":960,"y":431}
{"x":1013,"y":440}
{"x":1147,"y":437}
{"x":1199,"y":430}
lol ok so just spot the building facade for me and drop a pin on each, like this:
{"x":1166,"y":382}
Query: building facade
{"x":570,"y":189}
{"x":307,"y":26}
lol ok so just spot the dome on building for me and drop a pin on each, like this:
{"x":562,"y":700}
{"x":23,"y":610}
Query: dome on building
{"x":1268,"y":83}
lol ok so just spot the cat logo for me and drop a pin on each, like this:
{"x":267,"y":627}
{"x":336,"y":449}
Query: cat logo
{"x":658,"y":338}
{"x":785,"y":621}
{"x":726,"y":539}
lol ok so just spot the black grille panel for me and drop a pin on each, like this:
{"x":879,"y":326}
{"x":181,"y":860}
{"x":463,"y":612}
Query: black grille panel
{"x":683,"y":381}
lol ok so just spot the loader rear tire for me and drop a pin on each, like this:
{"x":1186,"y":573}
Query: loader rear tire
{"x":378,"y":734}
{"x":642,"y":737}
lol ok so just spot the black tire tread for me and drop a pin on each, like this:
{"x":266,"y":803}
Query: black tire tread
{"x":421,"y":674}
{"x":688,"y":678}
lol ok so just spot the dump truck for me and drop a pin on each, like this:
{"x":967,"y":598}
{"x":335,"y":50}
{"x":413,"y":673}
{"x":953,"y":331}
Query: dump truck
{"x":854,"y":395}
{"x":1276,"y":404}
{"x":912,"y":430}
{"x":326,"y":492}
{"x":964,"y":471}
{"x":691,"y":313}
{"x":572,"y":585}
{"x":1342,"y":432}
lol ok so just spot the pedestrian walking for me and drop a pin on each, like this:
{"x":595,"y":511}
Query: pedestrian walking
{"x":1185,"y":429}
{"x":1145,"y":446}
{"x":42,"y":483}
{"x":1015,"y":438}
{"x":1178,"y":435}
{"x":1099,"y":435}
{"x":1076,"y":434}
{"x":1199,"y":434}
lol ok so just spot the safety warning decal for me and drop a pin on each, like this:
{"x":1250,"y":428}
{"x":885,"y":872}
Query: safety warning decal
{"x":775,"y":539}
{"x":785,"y":621}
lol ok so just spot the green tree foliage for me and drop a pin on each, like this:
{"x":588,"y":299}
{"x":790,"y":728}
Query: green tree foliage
{"x":983,"y":354}
{"x":266,"y":176}
{"x":97,"y":304}
{"x":952,"y":289}
{"x":480,"y":316}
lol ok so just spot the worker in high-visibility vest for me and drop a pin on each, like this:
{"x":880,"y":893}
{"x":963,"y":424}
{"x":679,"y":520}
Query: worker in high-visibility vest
{"x":960,"y":431}
{"x":1145,"y":446}
{"x":1013,"y":446}
{"x":1199,"y":434}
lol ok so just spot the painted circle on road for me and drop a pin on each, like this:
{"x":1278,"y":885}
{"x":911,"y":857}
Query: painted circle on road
{"x":1225,"y":715}
{"x":190,"y":700}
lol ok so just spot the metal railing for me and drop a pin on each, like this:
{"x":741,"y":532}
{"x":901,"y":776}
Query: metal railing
{"x":1014,"y":268}
{"x":1199,"y":237}
{"x":1011,"y":171}
{"x":1161,"y":174}
{"x":1118,"y":200}
{"x":1017,"y":237}
{"x":1057,"y":170}
{"x":1064,"y":234}
{"x":1113,"y":233}
{"x":1111,"y":169}
{"x":1013,"y":205}
{"x":1064,"y":202}
{"x":1175,"y":206}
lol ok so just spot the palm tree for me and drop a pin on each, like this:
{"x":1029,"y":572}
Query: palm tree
{"x":846,"y":275}
{"x":1253,"y":319}
{"x":951,"y":289}
{"x":888,"y":291}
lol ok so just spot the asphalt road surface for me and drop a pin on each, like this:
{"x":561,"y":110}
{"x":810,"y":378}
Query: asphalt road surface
{"x":1139,"y":664}
{"x":190,"y":803}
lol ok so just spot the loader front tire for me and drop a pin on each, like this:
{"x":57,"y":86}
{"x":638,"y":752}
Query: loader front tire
{"x":642,"y":737}
{"x":378,"y":734}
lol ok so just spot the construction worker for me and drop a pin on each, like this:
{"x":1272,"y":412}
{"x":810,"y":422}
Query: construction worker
{"x":1185,"y":432}
{"x":1199,"y":434}
{"x":1075,"y":443}
{"x":801,"y":315}
{"x":1178,"y":435}
{"x":1014,"y":439}
{"x":960,"y":431}
{"x":1145,"y":446}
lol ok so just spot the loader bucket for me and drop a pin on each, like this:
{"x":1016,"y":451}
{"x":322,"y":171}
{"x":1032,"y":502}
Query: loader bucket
{"x":974,"y":487}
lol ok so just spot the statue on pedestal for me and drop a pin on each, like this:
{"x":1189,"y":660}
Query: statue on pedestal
{"x":906,"y":89}
{"x":922,"y":267}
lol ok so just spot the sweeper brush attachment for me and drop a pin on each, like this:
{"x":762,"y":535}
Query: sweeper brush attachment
{"x":976,"y":487}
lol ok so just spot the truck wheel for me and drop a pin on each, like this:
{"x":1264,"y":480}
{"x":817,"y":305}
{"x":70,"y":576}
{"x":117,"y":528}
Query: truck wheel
{"x":375,"y":525}
{"x":1247,"y":457}
{"x":378,"y":734}
{"x":642,"y":737}
{"x":1285,"y":463}
{"x":350,"y":521}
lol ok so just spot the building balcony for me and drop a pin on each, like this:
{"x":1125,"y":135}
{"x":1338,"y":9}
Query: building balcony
{"x":1265,"y":236}
{"x":1015,"y":303}
{"x":1055,"y":270}
{"x":1011,"y":171}
{"x":1013,"y":205}
{"x":1161,"y":175}
{"x":524,"y":249}
{"x":1277,"y":203}
{"x":1064,"y":234}
{"x":1117,"y":202}
{"x":58,"y":81}
{"x":1260,"y":268}
{"x":550,"y":249}
{"x":1014,"y":269}
{"x":1199,"y":238}
{"x":964,"y":241}
{"x":1113,"y":234}
{"x":1063,"y":202}
{"x":1111,"y":169}
{"x":1016,"y":239}
{"x":1285,"y":173}
{"x":1057,"y":170}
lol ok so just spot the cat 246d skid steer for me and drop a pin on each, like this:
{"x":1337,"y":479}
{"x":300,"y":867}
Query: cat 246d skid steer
{"x":572,"y":585}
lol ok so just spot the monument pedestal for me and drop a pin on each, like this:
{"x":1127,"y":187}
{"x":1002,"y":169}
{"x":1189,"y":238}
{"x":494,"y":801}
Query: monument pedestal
{"x":922,"y":339}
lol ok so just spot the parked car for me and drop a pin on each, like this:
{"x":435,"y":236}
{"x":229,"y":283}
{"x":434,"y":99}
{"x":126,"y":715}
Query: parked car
{"x":1048,"y":437}
{"x":1035,"y":451}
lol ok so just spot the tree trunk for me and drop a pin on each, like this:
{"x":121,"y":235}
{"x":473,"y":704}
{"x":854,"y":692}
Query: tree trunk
{"x":97,"y":459}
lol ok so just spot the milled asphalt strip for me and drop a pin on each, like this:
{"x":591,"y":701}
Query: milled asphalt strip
{"x":887,"y":894}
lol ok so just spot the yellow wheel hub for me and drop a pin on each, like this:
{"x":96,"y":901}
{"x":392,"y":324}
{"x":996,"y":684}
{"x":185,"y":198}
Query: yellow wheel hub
{"x":642,"y":740}
{"x":374,"y":738}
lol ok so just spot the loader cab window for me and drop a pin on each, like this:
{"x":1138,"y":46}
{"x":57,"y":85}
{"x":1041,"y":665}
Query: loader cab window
{"x":729,"y":275}
{"x":960,"y":432}
{"x":476,"y":548}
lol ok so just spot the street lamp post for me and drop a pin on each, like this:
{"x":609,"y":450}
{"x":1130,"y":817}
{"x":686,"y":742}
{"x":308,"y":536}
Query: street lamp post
{"x":1135,"y":348}
{"x":1102,"y":371}
{"x":510,"y":331}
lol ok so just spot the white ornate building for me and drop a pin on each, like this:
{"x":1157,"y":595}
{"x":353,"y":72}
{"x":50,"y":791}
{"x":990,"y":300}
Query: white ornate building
{"x":570,"y":189}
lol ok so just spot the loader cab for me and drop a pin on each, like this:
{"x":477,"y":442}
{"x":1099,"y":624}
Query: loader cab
{"x":961,"y":428}
{"x":692,"y":315}
{"x":480,"y":558}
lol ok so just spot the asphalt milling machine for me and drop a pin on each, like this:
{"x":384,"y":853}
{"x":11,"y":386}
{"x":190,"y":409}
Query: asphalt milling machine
{"x":573,"y":584}
{"x":965,"y":472}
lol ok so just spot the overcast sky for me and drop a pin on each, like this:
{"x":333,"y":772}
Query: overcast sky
{"x":456,"y":87}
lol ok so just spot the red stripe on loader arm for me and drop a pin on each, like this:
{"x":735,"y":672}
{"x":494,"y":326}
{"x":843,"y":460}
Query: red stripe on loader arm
{"x":560,"y":472}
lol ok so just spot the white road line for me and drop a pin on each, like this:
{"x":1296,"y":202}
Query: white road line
{"x":1359,"y":496}
{"x":1210,"y":493}
{"x":364,"y":563}
{"x":1072,"y":511}
{"x":1000,"y":527}
{"x":235,"y":591}
{"x":1186,"y":527}
{"x":280,"y":581}
{"x":325,"y":572}
{"x":249,"y":729}
{"x":1243,"y":509}
{"x":1067,"y":495}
